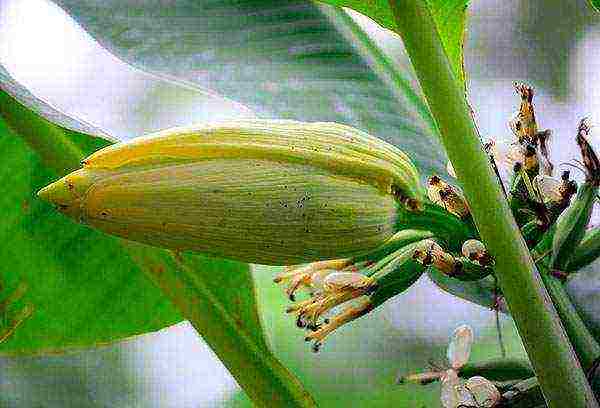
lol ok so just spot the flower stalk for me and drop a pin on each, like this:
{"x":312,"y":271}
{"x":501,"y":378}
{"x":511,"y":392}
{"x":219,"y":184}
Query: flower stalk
{"x":559,"y":373}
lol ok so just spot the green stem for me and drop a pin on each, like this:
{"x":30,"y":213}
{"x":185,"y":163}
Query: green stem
{"x":586,"y":347}
{"x":562,"y":380}
{"x":266,"y":381}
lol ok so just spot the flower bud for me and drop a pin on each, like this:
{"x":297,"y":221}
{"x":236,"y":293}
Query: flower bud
{"x":261,"y":191}
{"x":474,"y":250}
{"x":459,"y":347}
{"x":523,"y":124}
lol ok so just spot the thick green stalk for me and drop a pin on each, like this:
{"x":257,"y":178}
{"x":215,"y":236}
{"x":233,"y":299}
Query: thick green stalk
{"x":563,"y":382}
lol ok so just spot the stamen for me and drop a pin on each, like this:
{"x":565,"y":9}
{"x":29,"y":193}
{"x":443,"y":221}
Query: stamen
{"x":302,"y":276}
{"x":349,"y":314}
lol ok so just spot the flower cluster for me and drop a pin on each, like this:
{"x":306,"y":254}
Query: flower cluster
{"x":551,"y":223}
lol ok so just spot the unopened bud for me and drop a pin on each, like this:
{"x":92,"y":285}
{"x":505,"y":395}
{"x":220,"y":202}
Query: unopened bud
{"x":260,"y":191}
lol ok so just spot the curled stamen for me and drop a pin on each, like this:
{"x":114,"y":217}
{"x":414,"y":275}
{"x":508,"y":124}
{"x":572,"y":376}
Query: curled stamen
{"x":320,"y":305}
{"x":348,"y":314}
{"x":357,"y":286}
{"x":338,"y":288}
{"x":302,"y":276}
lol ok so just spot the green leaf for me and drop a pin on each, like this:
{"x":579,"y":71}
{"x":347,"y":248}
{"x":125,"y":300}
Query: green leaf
{"x":65,"y":266}
{"x":449,"y":15}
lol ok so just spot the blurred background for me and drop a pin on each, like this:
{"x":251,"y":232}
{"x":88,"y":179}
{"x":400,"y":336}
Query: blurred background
{"x":271,"y":62}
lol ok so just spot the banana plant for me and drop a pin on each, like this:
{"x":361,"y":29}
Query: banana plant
{"x":355,"y":219}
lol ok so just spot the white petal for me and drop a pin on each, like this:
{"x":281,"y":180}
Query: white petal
{"x":459,"y":348}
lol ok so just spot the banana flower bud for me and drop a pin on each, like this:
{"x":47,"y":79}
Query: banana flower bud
{"x":262,"y":191}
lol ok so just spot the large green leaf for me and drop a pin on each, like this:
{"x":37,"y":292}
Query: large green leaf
{"x":85,"y":287}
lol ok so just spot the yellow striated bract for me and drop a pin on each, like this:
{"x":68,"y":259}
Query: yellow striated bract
{"x":260,"y":191}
